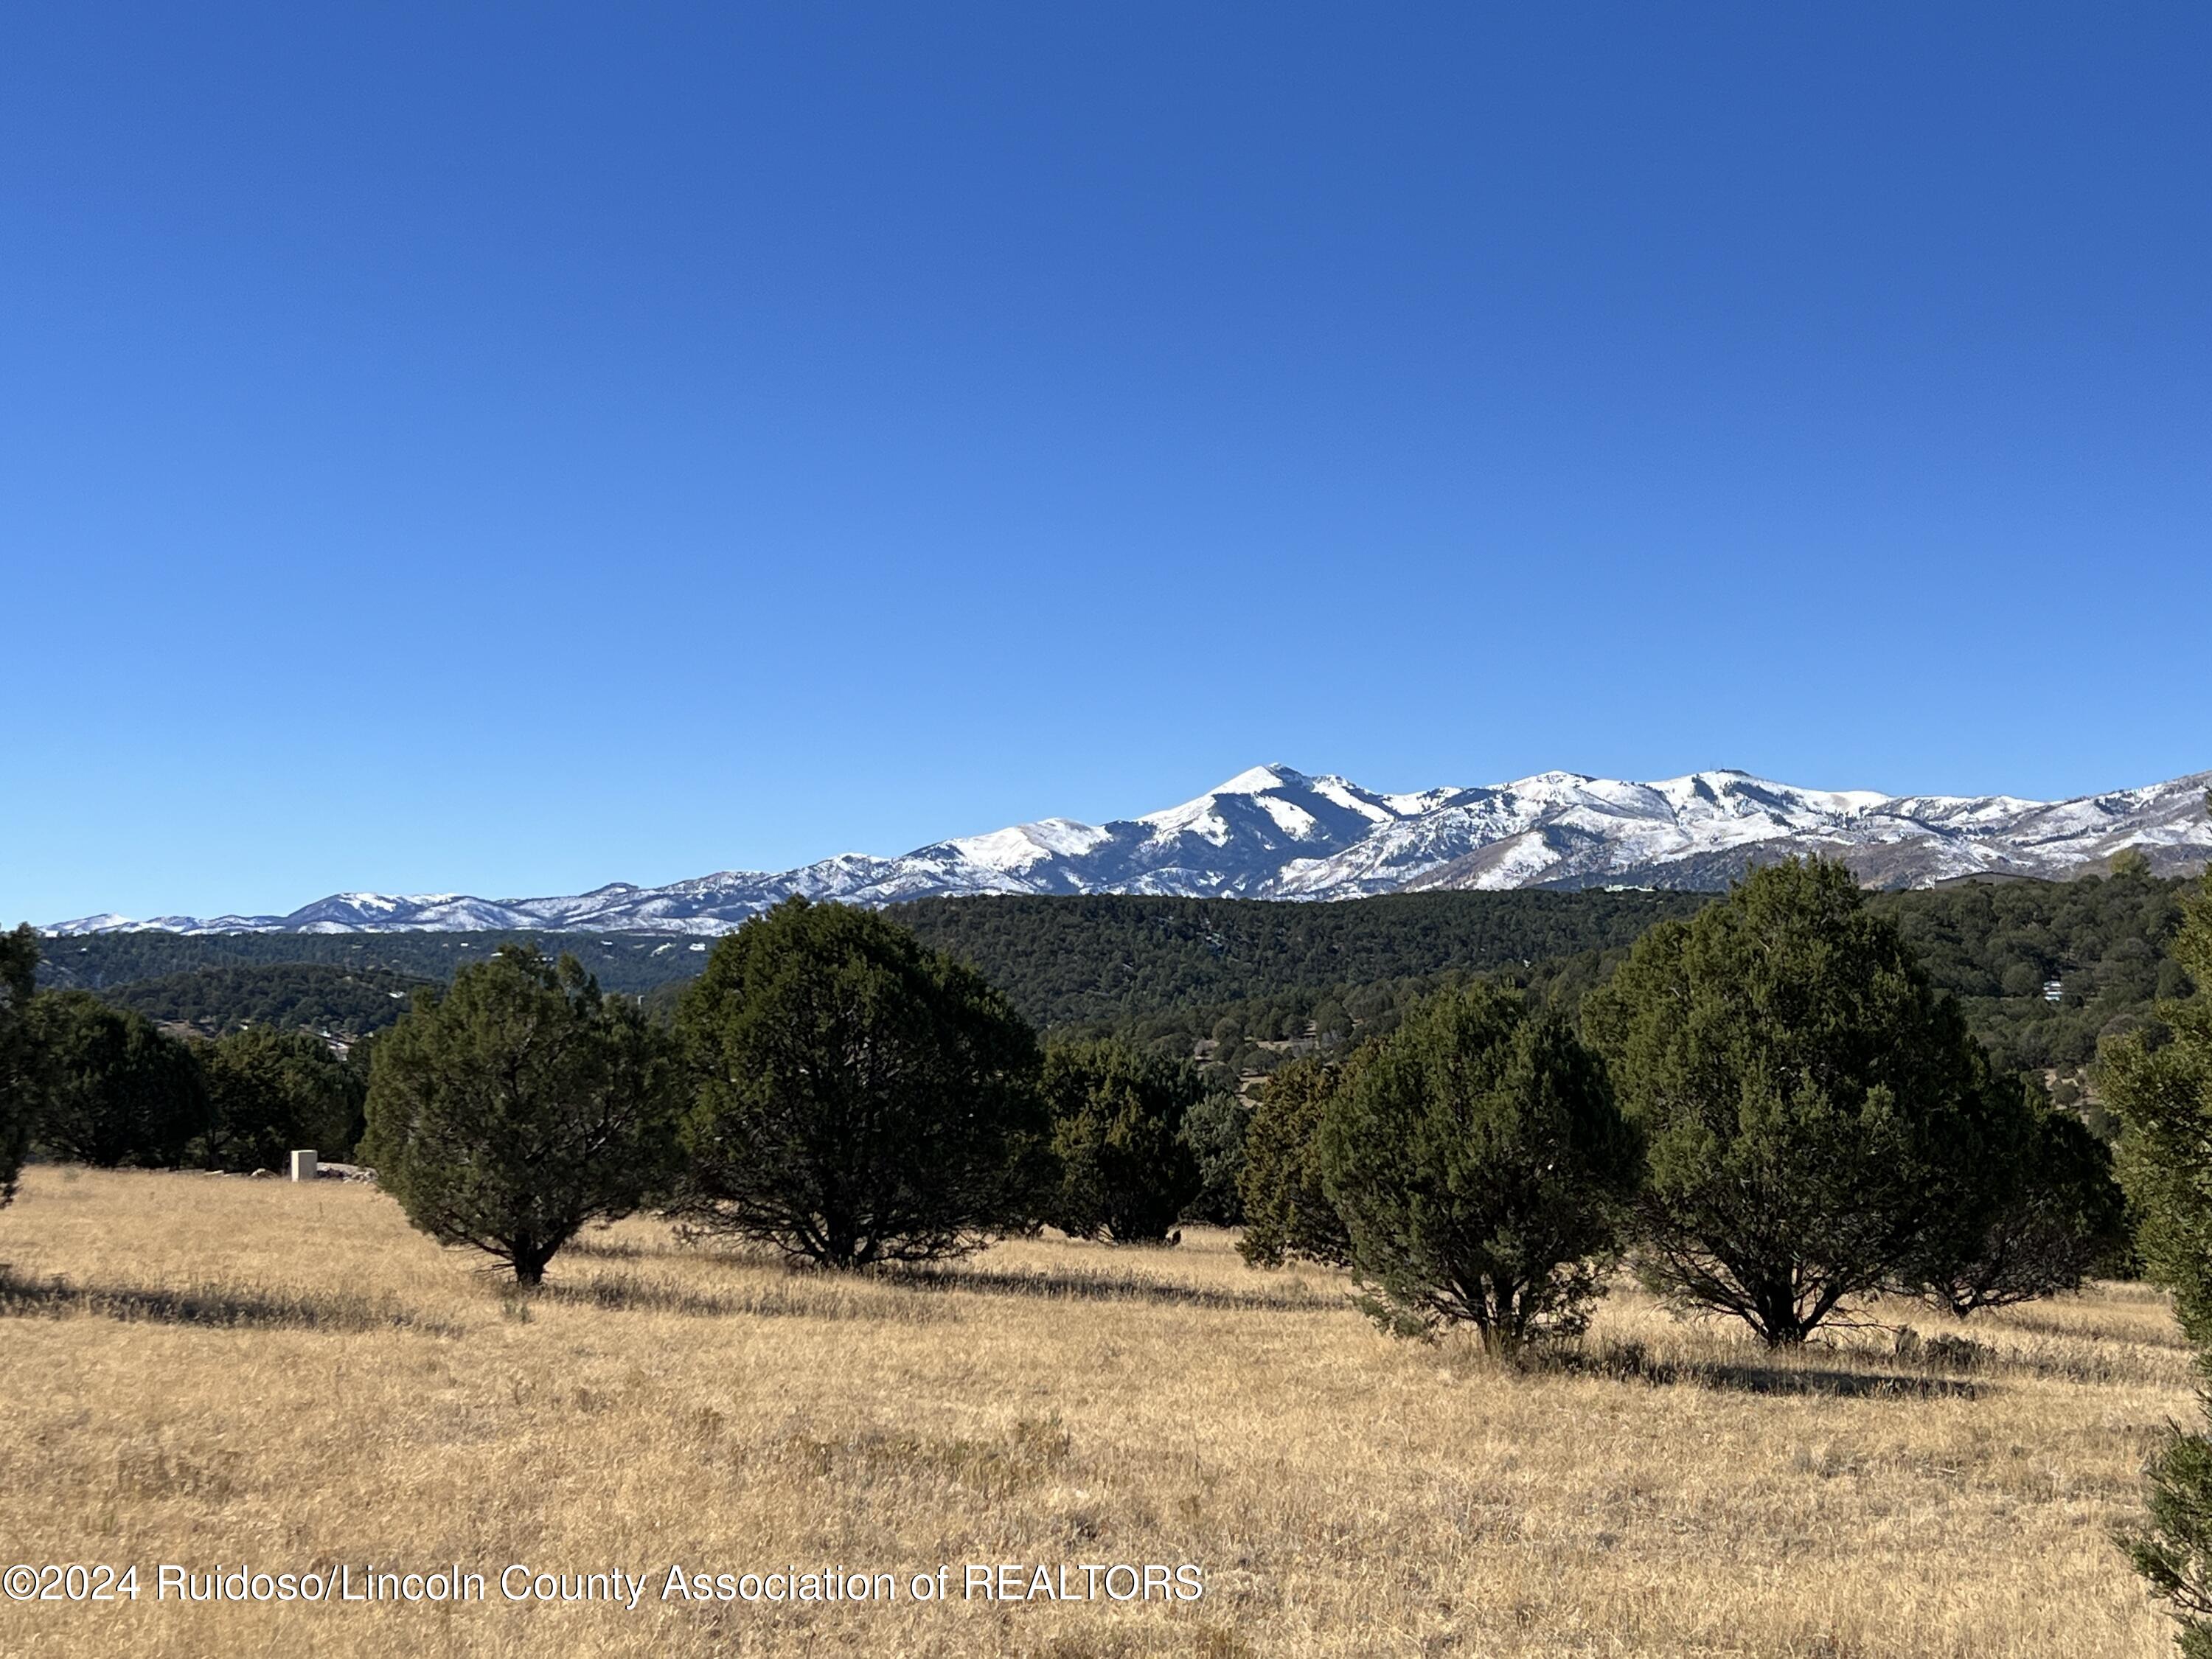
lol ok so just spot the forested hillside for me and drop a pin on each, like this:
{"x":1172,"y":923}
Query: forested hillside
{"x":343,"y":1002}
{"x":1065,"y":960}
{"x":100,"y":962}
{"x":1173,"y":972}
{"x":1995,"y":947}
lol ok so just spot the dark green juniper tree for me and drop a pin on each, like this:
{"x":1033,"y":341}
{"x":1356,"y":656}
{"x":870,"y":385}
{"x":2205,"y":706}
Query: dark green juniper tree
{"x":269,"y":1091}
{"x":1818,"y":1120}
{"x":115,"y":1090}
{"x":2163,"y":1095}
{"x":2058,"y":1215}
{"x":860,"y":1099}
{"x":1481,"y":1170}
{"x":21,"y":1063}
{"x":1127,"y":1172}
{"x":1214,"y":1131}
{"x":1287,"y":1210}
{"x":519,"y":1106}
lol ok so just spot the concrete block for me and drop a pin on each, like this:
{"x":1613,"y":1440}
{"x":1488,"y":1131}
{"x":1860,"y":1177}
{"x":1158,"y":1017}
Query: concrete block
{"x":303,"y":1165}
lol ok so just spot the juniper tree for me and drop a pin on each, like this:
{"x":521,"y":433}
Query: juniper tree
{"x":115,"y":1090}
{"x":271,"y":1090}
{"x":1287,"y":1210}
{"x":860,"y":1099}
{"x":1126,"y":1172}
{"x":519,"y":1106}
{"x":2162,"y":1093}
{"x":1214,"y":1131}
{"x":1818,"y":1118}
{"x":1481,"y":1170}
{"x":2057,"y":1213}
{"x":20,"y":1058}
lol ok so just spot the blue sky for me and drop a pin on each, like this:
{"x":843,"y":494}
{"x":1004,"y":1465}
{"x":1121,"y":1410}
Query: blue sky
{"x":509,"y":448}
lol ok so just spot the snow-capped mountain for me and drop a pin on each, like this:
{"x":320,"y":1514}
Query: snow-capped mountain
{"x":1274,"y":833}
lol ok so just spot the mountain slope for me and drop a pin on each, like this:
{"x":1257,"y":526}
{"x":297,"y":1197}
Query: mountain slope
{"x":1275,"y":832}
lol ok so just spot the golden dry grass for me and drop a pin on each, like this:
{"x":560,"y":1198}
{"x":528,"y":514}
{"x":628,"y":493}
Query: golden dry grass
{"x":201,"y":1371}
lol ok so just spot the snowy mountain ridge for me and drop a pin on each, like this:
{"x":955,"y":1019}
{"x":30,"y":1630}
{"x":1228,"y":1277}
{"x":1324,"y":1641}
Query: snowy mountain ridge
{"x":1273,"y":832}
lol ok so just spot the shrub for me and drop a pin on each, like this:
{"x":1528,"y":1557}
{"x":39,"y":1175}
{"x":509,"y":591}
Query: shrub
{"x":115,"y":1090}
{"x":269,"y":1091}
{"x":1481,"y":1170}
{"x":508,"y":1113}
{"x":1287,"y":1209}
{"x":1818,"y":1120}
{"x":21,"y":1061}
{"x":1214,"y":1131}
{"x":2163,"y":1095}
{"x":2059,"y":1214}
{"x":1126,"y":1172}
{"x":861,"y":1099}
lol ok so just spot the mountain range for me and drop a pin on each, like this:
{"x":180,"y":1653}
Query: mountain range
{"x":1275,"y":832}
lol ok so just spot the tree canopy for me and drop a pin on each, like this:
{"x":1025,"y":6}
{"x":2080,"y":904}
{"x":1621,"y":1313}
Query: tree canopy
{"x":1287,"y":1210}
{"x":269,"y":1091}
{"x":323,"y":997}
{"x":1126,"y":1170}
{"x":2056,"y":1215}
{"x":2163,"y":1094}
{"x":2162,"y":1091}
{"x":115,"y":1089}
{"x":861,"y":1098}
{"x":1481,"y":1170}
{"x":21,"y":1059}
{"x":1818,"y":1118}
{"x":519,"y":1106}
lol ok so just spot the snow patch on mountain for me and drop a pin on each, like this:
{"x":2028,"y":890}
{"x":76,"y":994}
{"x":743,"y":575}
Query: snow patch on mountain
{"x":1275,"y":832}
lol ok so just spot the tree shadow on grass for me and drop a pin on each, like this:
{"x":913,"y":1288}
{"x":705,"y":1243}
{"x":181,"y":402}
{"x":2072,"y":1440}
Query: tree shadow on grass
{"x":1099,"y":1287}
{"x":1846,"y":1385}
{"x":614,"y":1249}
{"x":205,"y":1303}
{"x":1632,"y":1362}
{"x":795,"y":1297}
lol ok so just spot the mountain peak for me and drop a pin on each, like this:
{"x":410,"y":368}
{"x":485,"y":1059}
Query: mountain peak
{"x":1258,"y":780}
{"x":1275,"y":832}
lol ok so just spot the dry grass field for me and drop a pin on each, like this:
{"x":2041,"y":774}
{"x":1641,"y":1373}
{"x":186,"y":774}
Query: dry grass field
{"x":203,"y":1371}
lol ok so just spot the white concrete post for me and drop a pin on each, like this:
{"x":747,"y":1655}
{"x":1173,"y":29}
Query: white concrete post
{"x":303,"y":1165}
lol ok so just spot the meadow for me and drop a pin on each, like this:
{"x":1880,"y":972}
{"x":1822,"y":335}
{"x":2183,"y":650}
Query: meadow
{"x":204,"y":1370}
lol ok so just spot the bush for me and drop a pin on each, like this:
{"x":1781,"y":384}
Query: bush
{"x":861,"y":1099}
{"x":1214,"y":1131}
{"x":1481,"y":1170}
{"x":21,"y":1062}
{"x":1287,"y":1209}
{"x":115,"y":1090}
{"x":2174,"y":1553}
{"x":269,"y":1091}
{"x":2163,"y":1095}
{"x":522,"y":1105}
{"x":1818,"y":1120}
{"x":2059,"y":1214}
{"x":1126,"y":1172}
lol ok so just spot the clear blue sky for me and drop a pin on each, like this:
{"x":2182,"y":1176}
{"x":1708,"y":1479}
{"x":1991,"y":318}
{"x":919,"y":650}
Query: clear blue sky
{"x":511,"y":448}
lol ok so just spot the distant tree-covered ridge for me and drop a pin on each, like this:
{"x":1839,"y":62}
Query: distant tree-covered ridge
{"x":2099,"y":945}
{"x":1170,"y":972}
{"x":626,"y":962}
{"x":1072,"y":961}
{"x":315,"y":996}
{"x":1063,"y":961}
